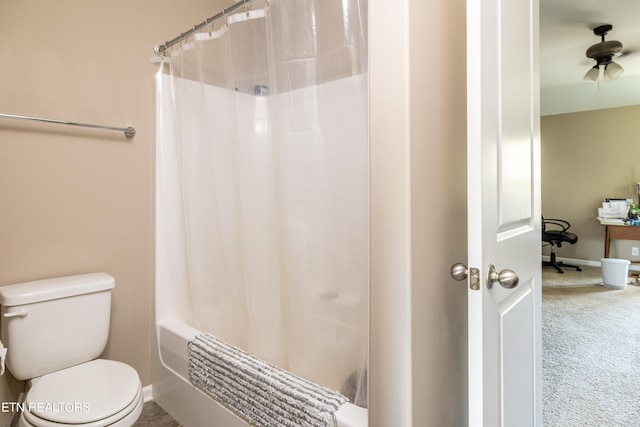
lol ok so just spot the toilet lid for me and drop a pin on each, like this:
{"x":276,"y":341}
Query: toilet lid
{"x":83,"y":393}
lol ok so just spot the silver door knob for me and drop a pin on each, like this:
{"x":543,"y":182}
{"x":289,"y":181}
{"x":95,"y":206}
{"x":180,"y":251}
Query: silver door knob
{"x":506,"y":278}
{"x":459,"y":271}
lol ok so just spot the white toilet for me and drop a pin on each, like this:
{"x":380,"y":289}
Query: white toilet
{"x":54,"y":330}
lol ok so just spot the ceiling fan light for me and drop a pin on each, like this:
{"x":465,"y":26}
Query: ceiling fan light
{"x":592,"y":75}
{"x":612,"y":71}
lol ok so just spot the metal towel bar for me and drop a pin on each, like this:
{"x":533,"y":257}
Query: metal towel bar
{"x":129,"y":132}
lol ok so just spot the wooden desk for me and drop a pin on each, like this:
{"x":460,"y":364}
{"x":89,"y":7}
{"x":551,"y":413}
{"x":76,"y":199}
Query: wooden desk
{"x":620,"y":232}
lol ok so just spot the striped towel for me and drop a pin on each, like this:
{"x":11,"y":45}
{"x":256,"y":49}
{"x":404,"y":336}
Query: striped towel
{"x":258,"y":392}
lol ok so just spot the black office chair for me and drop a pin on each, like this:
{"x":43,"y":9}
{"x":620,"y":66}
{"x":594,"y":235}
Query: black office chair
{"x":556,"y":236}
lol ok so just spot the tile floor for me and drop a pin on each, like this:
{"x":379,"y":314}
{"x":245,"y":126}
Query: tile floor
{"x":154,"y":416}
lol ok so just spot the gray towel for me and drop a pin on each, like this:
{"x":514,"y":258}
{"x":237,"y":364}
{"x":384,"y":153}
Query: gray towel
{"x":258,"y":392}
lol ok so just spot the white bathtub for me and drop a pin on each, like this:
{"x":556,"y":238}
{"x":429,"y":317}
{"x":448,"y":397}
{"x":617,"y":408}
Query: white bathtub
{"x":187,"y":404}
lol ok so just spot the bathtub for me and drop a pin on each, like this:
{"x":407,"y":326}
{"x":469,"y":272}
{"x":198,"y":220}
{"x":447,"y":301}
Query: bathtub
{"x":187,"y":404}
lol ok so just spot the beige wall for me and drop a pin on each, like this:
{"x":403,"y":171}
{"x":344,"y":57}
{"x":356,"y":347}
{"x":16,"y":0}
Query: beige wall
{"x":587,"y":157}
{"x":439,"y":220}
{"x":74,"y":200}
{"x":418,"y":219}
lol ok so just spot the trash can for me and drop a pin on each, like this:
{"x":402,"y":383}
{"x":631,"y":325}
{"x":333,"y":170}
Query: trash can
{"x":615,"y":272}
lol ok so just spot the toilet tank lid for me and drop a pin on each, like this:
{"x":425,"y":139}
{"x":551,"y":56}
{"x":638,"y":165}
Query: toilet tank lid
{"x":59,"y":287}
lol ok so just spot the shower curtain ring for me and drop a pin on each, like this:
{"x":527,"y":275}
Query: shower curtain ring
{"x":208,"y":26}
{"x":224,"y":17}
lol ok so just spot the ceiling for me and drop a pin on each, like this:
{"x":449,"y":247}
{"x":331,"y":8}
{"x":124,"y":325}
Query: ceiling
{"x":566,"y":31}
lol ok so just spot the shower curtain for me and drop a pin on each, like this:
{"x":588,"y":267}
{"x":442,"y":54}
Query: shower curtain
{"x":268,"y":113}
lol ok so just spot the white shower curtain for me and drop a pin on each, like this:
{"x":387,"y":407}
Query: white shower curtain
{"x":270,"y":119}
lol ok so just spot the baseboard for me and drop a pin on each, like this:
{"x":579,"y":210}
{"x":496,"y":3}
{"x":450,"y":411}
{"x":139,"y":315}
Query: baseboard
{"x":632,"y":267}
{"x":147,"y":393}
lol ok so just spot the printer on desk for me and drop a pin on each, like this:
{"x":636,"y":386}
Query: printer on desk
{"x":614,"y":211}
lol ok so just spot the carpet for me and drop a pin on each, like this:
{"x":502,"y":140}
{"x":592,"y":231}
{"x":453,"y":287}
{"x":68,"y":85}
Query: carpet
{"x":591,"y":351}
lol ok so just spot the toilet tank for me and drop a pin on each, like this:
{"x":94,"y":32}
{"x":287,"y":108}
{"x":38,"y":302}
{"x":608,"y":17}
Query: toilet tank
{"x":52,"y":324}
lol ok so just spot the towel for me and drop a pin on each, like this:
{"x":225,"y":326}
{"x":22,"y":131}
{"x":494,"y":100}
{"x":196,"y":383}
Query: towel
{"x":258,"y":392}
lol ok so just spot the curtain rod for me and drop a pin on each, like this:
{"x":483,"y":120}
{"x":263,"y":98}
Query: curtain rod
{"x":160,"y":49}
{"x":129,"y":132}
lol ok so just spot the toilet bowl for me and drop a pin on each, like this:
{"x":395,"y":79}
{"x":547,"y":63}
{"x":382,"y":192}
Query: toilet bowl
{"x":55,"y":330}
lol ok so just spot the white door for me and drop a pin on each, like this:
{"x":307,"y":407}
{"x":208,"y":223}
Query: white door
{"x":503,"y":163}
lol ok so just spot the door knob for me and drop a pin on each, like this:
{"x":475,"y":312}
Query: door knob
{"x":460,"y":272}
{"x":506,"y":278}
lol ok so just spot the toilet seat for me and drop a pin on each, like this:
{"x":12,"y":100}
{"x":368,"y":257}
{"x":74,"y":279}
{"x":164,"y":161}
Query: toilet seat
{"x":125,"y":418}
{"x":96,"y":393}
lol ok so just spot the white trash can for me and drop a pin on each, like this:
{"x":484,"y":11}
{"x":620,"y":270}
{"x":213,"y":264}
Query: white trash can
{"x":615,"y":272}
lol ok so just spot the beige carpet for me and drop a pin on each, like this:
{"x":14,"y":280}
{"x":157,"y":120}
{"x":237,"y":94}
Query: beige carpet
{"x":591,"y":351}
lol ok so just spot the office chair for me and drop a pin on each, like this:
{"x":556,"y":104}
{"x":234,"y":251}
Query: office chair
{"x":556,"y":236}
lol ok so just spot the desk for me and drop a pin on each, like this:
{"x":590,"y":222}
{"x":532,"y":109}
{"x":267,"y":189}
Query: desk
{"x":620,"y":232}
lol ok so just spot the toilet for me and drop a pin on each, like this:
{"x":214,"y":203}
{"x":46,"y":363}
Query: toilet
{"x":54,"y":331}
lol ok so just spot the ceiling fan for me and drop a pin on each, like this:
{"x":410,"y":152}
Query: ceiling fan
{"x":603,"y":53}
